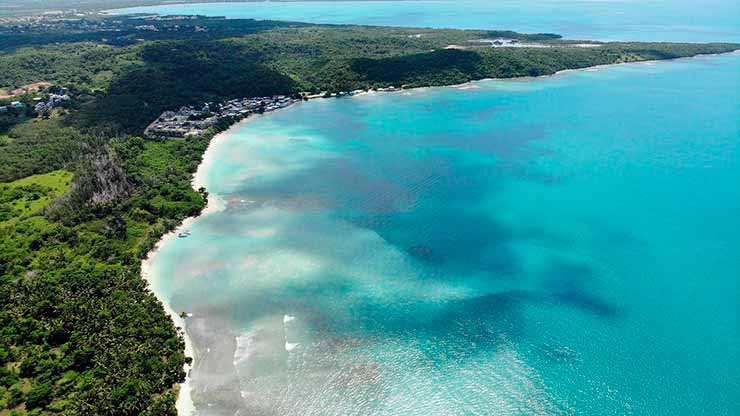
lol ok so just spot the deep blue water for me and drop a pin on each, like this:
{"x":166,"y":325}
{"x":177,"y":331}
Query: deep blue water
{"x":563,"y":245}
{"x":658,"y":20}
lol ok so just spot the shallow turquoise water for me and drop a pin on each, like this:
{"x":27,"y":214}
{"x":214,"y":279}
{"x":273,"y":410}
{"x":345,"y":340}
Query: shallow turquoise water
{"x":562,"y":245}
{"x":658,"y":20}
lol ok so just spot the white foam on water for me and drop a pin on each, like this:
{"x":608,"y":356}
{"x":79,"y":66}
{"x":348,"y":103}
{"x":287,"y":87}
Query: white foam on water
{"x":290,"y":346}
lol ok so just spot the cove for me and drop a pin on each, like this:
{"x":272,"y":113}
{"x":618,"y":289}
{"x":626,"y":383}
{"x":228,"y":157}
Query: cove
{"x":558,"y":245}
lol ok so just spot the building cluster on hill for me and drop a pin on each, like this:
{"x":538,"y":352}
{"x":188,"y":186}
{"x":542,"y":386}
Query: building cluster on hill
{"x":15,"y":105}
{"x":192,"y":121}
{"x":52,"y":101}
{"x":187,"y":121}
{"x":57,"y":21}
{"x":42,"y":99}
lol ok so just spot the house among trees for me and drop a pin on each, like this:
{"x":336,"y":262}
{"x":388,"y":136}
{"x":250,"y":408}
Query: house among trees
{"x":55,"y":100}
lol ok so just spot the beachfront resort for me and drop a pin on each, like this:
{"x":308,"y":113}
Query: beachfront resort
{"x":193,"y":121}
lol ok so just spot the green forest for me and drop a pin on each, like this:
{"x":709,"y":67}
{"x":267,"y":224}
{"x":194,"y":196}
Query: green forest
{"x":83,"y":197}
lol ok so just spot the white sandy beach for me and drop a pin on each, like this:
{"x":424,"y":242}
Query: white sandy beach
{"x":185,"y":404}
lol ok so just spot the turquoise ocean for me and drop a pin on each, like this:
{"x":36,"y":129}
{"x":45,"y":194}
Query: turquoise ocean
{"x":659,"y":20}
{"x":558,"y":245}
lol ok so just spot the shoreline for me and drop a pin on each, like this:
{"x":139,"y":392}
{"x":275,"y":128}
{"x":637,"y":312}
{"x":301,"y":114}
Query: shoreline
{"x":470,"y":84}
{"x":184,"y":404}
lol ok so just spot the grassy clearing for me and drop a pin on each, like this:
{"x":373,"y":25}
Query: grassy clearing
{"x":27,"y":197}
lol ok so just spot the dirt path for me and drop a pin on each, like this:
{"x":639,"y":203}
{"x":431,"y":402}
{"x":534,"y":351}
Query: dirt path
{"x":24,"y":89}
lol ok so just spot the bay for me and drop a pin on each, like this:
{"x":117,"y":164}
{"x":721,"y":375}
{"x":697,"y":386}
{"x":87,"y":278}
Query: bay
{"x":559,"y":245}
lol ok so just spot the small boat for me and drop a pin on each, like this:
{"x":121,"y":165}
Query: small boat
{"x":184,"y":234}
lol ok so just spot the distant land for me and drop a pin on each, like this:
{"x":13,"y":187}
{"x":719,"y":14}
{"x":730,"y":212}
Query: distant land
{"x":22,"y":7}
